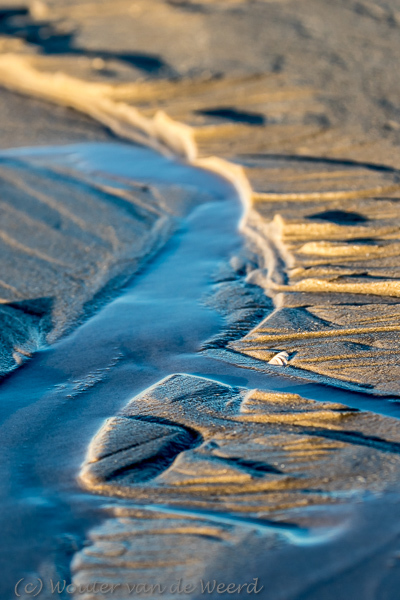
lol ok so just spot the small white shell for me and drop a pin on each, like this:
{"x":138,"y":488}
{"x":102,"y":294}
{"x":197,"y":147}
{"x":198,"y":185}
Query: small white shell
{"x":281,"y":359}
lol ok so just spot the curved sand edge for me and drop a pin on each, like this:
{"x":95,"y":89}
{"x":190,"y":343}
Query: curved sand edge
{"x":311,"y":262}
{"x":211,"y":468}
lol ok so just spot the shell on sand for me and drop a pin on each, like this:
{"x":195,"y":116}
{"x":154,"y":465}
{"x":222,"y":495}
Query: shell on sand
{"x":281,"y":359}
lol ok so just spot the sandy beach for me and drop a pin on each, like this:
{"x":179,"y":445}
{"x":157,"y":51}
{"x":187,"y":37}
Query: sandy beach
{"x":189,"y":189}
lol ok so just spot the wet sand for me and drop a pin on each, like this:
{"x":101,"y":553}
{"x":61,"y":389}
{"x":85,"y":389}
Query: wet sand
{"x":55,"y":402}
{"x":296,"y":146}
{"x":247,"y":469}
{"x":199,"y":463}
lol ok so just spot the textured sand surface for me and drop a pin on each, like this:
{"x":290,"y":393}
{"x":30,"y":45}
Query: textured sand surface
{"x":68,"y":240}
{"x":312,"y":151}
{"x":203,"y":444}
{"x":296,"y":103}
{"x":211,"y":451}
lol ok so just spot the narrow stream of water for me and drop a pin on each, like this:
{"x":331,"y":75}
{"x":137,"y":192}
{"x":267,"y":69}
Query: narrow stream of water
{"x":154,"y":328}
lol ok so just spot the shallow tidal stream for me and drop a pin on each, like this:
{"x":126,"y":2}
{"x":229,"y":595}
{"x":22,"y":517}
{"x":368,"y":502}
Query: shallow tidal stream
{"x":153,"y":328}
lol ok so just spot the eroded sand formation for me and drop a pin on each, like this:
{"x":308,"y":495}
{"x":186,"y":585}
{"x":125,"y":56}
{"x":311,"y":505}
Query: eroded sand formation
{"x":321,"y":201}
{"x":198,"y":443}
{"x":211,"y":451}
{"x":66,"y":243}
{"x":313,"y":156}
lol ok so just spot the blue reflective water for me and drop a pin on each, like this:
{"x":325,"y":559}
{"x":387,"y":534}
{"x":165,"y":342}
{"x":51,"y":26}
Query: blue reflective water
{"x":155,"y":327}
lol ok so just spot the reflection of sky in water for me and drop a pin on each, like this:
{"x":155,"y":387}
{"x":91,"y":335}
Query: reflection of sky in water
{"x":124,"y":160}
{"x":153,"y":329}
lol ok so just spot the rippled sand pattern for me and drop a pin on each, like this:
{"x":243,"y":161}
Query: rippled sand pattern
{"x":335,"y":276}
{"x":321,"y":193}
{"x":195,"y":442}
{"x":325,"y":228}
{"x":214,"y":450}
{"x":66,"y":243}
{"x":132,"y":551}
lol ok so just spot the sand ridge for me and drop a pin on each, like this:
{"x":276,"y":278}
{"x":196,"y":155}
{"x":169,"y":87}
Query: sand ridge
{"x":210,"y":466}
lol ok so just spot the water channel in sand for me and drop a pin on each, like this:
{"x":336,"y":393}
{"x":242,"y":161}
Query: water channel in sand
{"x":155,"y":327}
